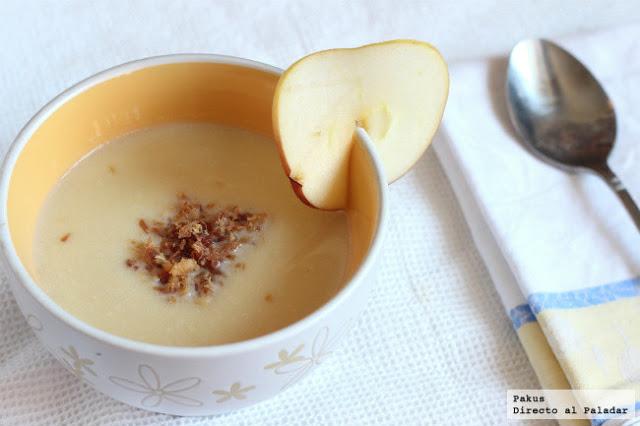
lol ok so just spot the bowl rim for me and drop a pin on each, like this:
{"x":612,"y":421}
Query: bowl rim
{"x":28,"y":283}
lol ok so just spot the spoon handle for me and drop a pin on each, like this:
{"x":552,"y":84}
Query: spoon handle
{"x":618,"y":187}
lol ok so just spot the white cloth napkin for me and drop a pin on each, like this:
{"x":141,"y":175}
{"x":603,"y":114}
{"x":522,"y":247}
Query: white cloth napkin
{"x":553,"y":242}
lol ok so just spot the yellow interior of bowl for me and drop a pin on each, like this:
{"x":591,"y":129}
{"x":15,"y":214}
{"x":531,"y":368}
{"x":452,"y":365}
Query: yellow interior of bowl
{"x":191,"y":91}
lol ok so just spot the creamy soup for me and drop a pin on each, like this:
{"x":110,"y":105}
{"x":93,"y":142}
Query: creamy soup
{"x":85,"y":229}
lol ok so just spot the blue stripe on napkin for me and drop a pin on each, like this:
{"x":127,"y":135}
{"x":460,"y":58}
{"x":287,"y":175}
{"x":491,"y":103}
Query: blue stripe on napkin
{"x":585,"y":297}
{"x":538,"y":302}
{"x":521,"y":315}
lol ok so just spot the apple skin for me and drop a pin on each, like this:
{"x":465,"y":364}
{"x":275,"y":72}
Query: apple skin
{"x":409,"y":159}
{"x":297,"y":189}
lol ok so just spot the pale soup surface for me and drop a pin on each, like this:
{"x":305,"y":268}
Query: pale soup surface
{"x":299,"y":258}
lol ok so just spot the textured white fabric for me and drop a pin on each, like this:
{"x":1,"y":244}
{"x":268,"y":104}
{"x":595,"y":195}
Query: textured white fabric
{"x":434,"y":345}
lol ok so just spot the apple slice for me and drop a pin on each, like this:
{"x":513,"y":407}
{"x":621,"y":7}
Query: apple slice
{"x":395,"y":90}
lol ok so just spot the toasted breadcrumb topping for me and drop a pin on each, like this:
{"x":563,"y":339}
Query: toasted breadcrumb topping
{"x":187,"y":252}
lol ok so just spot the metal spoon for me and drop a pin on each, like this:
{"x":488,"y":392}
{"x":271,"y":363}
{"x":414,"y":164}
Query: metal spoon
{"x":562,"y":113}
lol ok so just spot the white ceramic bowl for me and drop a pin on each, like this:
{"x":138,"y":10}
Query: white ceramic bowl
{"x":174,"y":380}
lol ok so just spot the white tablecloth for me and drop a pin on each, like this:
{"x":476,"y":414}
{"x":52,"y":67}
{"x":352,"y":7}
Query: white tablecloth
{"x":434,"y":344}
